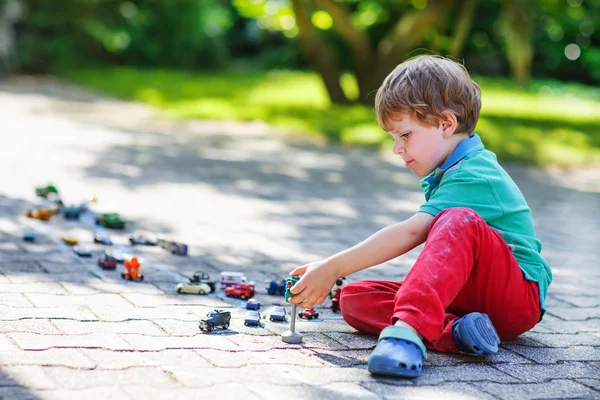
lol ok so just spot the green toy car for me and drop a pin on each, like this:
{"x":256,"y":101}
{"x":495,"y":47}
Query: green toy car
{"x":111,"y":220}
{"x":289,"y":282}
{"x":44,"y":191}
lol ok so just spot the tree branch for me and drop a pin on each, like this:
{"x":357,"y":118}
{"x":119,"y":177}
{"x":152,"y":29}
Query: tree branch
{"x":463,"y":25}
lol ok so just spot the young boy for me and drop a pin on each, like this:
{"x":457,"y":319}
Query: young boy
{"x":480,"y":277}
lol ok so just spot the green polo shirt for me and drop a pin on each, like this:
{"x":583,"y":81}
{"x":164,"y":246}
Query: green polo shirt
{"x":471,"y":177}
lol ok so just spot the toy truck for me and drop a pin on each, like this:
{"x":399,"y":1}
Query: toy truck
{"x":133,"y":270}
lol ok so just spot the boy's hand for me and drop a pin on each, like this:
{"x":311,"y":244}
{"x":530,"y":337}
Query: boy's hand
{"x":314,"y":287}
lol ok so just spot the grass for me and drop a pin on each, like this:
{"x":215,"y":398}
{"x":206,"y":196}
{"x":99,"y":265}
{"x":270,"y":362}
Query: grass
{"x":547,"y":123}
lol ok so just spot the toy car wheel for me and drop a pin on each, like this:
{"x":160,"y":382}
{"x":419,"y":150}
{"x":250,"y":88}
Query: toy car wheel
{"x":245,"y":324}
{"x":141,"y":277}
{"x":123,"y":275}
{"x":271,"y":319}
{"x":201,"y":328}
{"x":309,"y":317}
{"x":201,"y":292}
{"x":299,"y":315}
{"x":226,"y":326}
{"x":209,"y":327}
{"x":179,"y":290}
{"x":243,"y":297}
{"x":316,"y":315}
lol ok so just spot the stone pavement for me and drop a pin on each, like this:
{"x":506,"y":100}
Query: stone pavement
{"x":245,"y":198}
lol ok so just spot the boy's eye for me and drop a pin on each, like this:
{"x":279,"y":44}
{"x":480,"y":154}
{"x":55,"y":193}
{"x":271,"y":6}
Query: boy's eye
{"x":405,"y":135}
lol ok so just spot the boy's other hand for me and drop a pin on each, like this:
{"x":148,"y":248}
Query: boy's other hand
{"x":315,"y":285}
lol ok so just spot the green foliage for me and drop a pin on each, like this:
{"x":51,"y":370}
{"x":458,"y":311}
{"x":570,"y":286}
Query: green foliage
{"x":545,"y":123}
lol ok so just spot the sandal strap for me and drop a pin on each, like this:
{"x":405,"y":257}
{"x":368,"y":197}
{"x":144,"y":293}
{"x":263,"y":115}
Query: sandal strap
{"x":399,"y":332}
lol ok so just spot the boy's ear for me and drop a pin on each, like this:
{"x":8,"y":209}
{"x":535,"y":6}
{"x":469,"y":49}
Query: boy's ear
{"x":448,"y":123}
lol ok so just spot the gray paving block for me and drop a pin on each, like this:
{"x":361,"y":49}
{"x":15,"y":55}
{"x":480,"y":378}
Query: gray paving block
{"x":141,"y":327}
{"x":537,"y":373}
{"x":104,"y":392}
{"x":202,"y":377}
{"x":102,"y":299}
{"x":32,"y":341}
{"x":81,"y":313}
{"x":401,"y":389}
{"x":16,"y":268}
{"x":148,"y":300}
{"x":311,"y":341}
{"x":40,"y":326}
{"x":562,"y":340}
{"x":224,"y":391}
{"x":546,"y":355}
{"x":334,"y":391}
{"x":17,"y":300}
{"x":17,"y":392}
{"x":113,"y":314}
{"x":464,"y":372}
{"x":296,"y":357}
{"x":72,"y":358}
{"x":590,"y":383}
{"x":109,"y":359}
{"x":575,"y":314}
{"x":28,"y":376}
{"x":343,"y":358}
{"x":69,"y":378}
{"x":37,"y":287}
{"x":580,"y":301}
{"x":355,"y":341}
{"x":556,"y":389}
{"x":200,"y":341}
{"x":559,"y":326}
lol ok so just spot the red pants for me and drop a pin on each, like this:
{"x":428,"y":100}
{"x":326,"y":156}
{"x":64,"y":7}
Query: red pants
{"x":464,"y":267}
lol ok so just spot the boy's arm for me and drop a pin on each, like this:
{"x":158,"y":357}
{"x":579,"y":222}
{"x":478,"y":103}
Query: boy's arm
{"x":388,"y":243}
{"x":384,"y":245}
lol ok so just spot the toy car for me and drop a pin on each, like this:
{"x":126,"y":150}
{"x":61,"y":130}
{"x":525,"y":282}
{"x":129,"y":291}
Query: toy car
{"x":143,"y":238}
{"x":275,"y":287}
{"x":107,"y":262}
{"x":241,"y":290}
{"x":204,"y":277}
{"x":41,"y":214}
{"x":82,"y":251}
{"x":277,"y":314}
{"x":44,"y":191}
{"x":72,"y":212}
{"x":102,"y":238}
{"x":193,"y":288}
{"x":29,"y":236}
{"x":213,"y":319}
{"x":231,"y":278}
{"x":173,"y":247}
{"x":335,"y":301}
{"x":252,"y":318}
{"x":339,"y":284}
{"x":111,"y":220}
{"x":116,"y":254}
{"x":309,"y":313}
{"x":70,"y":240}
{"x":133,"y":270}
{"x":252,"y":305}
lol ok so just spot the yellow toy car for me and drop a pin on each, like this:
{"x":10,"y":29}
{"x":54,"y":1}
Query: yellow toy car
{"x":70,"y":240}
{"x":41,"y":214}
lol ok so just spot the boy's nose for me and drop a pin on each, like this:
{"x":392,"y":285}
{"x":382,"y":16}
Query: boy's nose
{"x":398,"y":149}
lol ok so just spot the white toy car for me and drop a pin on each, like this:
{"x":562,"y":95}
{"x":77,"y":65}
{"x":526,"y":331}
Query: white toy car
{"x":82,"y":251}
{"x":193,"y":288}
{"x":143,"y":238}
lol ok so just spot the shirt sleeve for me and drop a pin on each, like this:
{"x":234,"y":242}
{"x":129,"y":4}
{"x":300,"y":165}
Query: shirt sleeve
{"x":461,"y":189}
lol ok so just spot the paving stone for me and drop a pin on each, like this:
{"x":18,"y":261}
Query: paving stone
{"x":335,"y":391}
{"x":104,"y":392}
{"x":202,"y":377}
{"x":22,"y":267}
{"x":40,"y":326}
{"x":29,"y":376}
{"x":66,"y":357}
{"x":81,"y":313}
{"x":563,"y":340}
{"x":552,"y":355}
{"x":224,"y":391}
{"x":17,"y":392}
{"x":7,"y":344}
{"x":32,"y":341}
{"x":590,"y":383}
{"x":541,"y":372}
{"x":146,"y":300}
{"x":103,"y":299}
{"x":114,"y":314}
{"x":14,"y":300}
{"x":354,"y":341}
{"x":86,"y":327}
{"x":401,"y":389}
{"x":229,"y":359}
{"x":575,"y":314}
{"x":61,"y":268}
{"x":123,"y":287}
{"x":69,"y":378}
{"x":200,"y":341}
{"x":179,"y":328}
{"x":555,"y":389}
{"x":319,"y":326}
{"x":108,"y":359}
{"x":464,"y":372}
{"x":560,"y":326}
{"x":38,"y":287}
{"x":580,"y":301}
{"x":310,"y":341}
{"x":343,"y":358}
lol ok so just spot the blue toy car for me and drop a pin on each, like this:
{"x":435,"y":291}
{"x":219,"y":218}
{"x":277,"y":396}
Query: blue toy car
{"x":29,"y":236}
{"x":277,"y":314}
{"x":252,"y":318}
{"x":72,"y":212}
{"x":102,"y":238}
{"x":252,"y":305}
{"x":276,"y":288}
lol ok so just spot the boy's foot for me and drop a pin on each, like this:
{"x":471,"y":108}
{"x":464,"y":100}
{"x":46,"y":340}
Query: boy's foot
{"x":475,"y":334}
{"x":399,"y":352}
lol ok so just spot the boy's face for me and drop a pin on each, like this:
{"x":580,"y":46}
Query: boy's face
{"x":423,"y":148}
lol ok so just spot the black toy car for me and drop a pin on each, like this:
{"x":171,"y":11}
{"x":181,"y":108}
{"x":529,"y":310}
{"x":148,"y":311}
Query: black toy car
{"x":214,"y":319}
{"x":203,"y":277}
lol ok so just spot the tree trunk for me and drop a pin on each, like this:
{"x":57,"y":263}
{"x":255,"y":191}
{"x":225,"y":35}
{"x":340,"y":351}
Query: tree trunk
{"x":516,"y":26}
{"x":357,"y":42}
{"x":318,"y":53}
{"x":463,"y":25}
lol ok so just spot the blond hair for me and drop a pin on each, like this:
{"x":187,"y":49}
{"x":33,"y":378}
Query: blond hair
{"x":424,"y":87}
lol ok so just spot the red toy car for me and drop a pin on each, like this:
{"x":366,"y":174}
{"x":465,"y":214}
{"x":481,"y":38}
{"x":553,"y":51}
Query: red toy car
{"x":240,"y":290}
{"x":107,"y":262}
{"x":309,"y":313}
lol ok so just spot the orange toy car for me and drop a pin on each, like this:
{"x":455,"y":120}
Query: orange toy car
{"x":40,"y":214}
{"x":133,"y":270}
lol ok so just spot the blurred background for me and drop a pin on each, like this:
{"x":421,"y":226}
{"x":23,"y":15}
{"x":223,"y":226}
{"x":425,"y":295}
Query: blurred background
{"x":313,"y":66}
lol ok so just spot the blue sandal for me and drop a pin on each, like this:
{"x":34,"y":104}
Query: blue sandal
{"x":399,"y":352}
{"x":475,"y":334}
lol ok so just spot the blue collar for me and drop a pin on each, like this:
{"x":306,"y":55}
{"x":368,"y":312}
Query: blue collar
{"x":463,"y":149}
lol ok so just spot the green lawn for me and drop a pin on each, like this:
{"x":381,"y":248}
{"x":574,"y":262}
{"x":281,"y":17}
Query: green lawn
{"x":547,"y":123}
